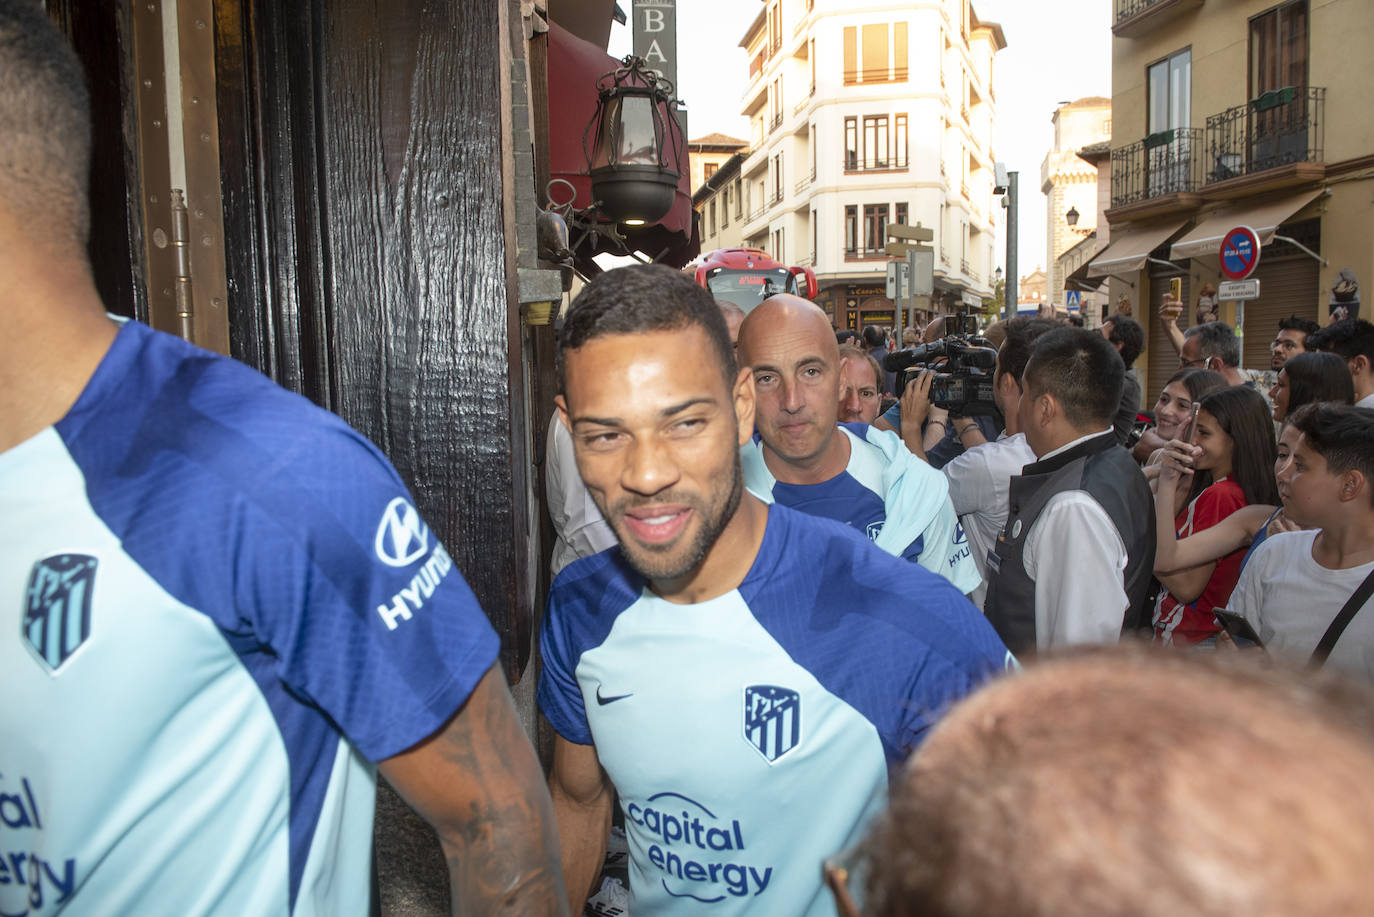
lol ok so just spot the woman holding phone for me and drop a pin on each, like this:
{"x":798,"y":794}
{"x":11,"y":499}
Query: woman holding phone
{"x":1171,"y":411}
{"x":1231,"y":453}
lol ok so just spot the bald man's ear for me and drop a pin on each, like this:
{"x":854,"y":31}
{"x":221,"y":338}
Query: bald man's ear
{"x":744,"y":404}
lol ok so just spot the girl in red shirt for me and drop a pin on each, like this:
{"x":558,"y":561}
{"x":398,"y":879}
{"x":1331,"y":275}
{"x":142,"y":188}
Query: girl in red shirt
{"x":1233,"y":465}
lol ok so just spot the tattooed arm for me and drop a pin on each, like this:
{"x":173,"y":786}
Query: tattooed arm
{"x":582,"y":801}
{"x":478,"y":783}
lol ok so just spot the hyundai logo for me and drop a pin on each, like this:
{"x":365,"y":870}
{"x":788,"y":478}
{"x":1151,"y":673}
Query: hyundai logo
{"x":402,"y":536}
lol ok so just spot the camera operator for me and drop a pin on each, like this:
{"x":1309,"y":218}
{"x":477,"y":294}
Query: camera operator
{"x":1075,"y":560}
{"x":928,"y":430}
{"x":979,"y":479}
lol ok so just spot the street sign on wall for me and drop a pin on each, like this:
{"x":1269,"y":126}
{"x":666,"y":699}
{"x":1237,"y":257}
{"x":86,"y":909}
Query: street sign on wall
{"x":1239,"y":289}
{"x":1240,"y":253}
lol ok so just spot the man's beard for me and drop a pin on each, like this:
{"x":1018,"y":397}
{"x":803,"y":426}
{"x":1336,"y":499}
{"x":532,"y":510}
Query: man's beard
{"x":673,"y":560}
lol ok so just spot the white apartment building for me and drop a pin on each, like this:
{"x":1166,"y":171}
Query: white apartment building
{"x":866,"y":113}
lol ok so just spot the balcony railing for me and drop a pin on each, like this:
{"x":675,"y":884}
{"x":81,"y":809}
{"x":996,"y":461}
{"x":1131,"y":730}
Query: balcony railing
{"x":963,"y":267}
{"x":806,"y":260}
{"x":1279,"y":128}
{"x":1125,"y":9}
{"x":885,"y":75}
{"x":755,"y":214}
{"x":802,"y":184}
{"x":944,"y":255}
{"x":878,"y":164}
{"x":775,"y":122}
{"x":1167,"y":162}
{"x":775,"y":198}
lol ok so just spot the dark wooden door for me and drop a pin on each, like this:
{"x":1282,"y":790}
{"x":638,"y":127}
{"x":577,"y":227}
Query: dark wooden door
{"x":362,"y":170}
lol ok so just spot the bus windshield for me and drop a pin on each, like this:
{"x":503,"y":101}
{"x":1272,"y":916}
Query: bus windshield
{"x":748,"y":288}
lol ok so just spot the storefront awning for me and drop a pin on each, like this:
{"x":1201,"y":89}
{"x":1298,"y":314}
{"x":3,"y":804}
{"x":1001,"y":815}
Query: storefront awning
{"x":1079,"y":279}
{"x":1129,"y":249}
{"x":574,"y":67}
{"x":1264,"y":218}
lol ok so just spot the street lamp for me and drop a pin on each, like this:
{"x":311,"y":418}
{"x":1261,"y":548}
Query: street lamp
{"x":1072,"y":216}
{"x":636,"y":150}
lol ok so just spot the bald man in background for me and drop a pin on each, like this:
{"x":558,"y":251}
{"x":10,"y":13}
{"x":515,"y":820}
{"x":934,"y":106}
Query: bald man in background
{"x":802,"y":458}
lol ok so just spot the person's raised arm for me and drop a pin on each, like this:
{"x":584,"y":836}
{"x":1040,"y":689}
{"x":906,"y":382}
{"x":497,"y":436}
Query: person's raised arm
{"x":1234,"y":532}
{"x":582,"y":804}
{"x":479,"y":785}
{"x":1184,"y":583}
{"x":1169,"y":312}
{"x":915,"y":410}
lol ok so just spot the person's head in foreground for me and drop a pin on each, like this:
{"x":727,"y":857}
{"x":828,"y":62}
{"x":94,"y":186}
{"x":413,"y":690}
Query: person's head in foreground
{"x":657,"y":412}
{"x":1234,"y":789}
{"x":861,"y":390}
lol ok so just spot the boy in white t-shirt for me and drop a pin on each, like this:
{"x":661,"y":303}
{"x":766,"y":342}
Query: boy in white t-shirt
{"x":1296,"y":583}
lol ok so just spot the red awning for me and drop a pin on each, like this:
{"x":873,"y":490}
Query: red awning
{"x":574,"y":67}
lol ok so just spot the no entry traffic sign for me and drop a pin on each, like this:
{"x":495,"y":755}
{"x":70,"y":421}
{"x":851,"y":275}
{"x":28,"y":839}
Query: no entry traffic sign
{"x":1240,"y":253}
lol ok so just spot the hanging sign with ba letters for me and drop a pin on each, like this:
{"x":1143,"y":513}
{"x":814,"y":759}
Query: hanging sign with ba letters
{"x":1240,"y":253}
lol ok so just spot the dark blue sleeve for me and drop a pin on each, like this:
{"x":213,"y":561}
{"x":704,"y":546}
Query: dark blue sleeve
{"x":296,"y":537}
{"x":893,"y":640}
{"x":559,"y":696}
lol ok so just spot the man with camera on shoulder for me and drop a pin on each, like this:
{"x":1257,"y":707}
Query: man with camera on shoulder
{"x":980,"y":478}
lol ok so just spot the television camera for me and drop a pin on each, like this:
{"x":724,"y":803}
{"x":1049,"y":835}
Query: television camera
{"x":963,"y":364}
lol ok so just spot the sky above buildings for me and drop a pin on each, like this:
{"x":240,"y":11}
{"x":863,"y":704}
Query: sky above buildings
{"x":1057,"y":51}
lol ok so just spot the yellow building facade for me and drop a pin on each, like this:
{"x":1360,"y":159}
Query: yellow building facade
{"x":1231,"y":113}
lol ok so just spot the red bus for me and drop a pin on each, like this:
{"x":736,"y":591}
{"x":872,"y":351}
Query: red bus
{"x":748,"y":276}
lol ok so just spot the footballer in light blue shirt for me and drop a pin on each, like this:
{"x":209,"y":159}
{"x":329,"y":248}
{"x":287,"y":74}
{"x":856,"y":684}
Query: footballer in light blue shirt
{"x":220,"y":613}
{"x":744,"y":676}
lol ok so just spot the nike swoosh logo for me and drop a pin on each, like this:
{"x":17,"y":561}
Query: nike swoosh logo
{"x":603,"y":701}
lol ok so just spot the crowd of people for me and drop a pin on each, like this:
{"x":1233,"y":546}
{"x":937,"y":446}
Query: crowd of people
{"x":815,"y":654}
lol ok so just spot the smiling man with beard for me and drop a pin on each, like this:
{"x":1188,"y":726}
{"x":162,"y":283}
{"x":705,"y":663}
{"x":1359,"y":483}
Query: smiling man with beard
{"x":730,"y":665}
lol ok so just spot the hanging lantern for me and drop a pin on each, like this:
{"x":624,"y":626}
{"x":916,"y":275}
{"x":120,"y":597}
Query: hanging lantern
{"x":636,"y":145}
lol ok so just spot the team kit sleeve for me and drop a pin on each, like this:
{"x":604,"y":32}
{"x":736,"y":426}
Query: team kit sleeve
{"x":367,"y":614}
{"x":945,"y":550}
{"x":560,"y":697}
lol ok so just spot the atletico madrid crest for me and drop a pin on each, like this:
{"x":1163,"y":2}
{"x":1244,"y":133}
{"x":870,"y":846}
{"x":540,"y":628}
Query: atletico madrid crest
{"x":772,"y":720}
{"x":57,"y":606}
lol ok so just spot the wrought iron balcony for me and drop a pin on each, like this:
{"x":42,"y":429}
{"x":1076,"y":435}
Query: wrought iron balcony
{"x":802,"y":184}
{"x":775,"y":198}
{"x":853,"y":163}
{"x":775,"y":122}
{"x":755,"y":214}
{"x":1278,"y":128}
{"x":1138,"y":18}
{"x":1167,"y":162}
{"x":963,"y":267}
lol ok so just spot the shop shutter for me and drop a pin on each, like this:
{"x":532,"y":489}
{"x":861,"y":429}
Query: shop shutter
{"x":1288,"y":286}
{"x":1163,"y":359}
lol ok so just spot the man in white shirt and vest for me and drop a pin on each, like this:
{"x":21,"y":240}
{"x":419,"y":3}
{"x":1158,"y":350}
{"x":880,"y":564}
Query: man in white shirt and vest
{"x":1073,"y":564}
